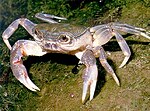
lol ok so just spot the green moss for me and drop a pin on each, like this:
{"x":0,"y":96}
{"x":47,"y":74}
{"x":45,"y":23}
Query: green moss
{"x":61,"y":90}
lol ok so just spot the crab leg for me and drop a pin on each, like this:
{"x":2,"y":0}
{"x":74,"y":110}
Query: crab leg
{"x":107,"y":67}
{"x":122,"y":43}
{"x":124,"y":47}
{"x":27,"y":24}
{"x":90,"y":74}
{"x":48,"y":18}
{"x":24,"y":48}
{"x":130,"y":29}
{"x":103,"y":33}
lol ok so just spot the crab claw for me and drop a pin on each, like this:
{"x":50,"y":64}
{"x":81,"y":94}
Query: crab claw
{"x":20,"y":49}
{"x":20,"y":73}
{"x":90,"y":74}
{"x":90,"y":80}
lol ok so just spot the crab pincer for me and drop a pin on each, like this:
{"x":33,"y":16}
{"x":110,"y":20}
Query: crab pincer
{"x":23,"y":48}
{"x":90,"y":74}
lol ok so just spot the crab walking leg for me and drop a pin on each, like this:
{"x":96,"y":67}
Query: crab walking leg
{"x":27,"y":24}
{"x":130,"y":29}
{"x":90,"y":74}
{"x":124,"y":47}
{"x":24,"y":48}
{"x":108,"y":68}
{"x":48,"y":18}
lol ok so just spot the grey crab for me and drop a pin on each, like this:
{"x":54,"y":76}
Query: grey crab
{"x":83,"y":42}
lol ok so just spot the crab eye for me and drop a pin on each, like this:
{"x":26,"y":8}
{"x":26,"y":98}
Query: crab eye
{"x":64,"y":38}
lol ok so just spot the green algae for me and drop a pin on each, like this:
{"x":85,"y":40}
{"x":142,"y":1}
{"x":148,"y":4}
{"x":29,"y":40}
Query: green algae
{"x":61,"y":90}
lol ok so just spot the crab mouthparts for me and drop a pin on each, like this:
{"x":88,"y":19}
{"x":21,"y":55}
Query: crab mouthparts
{"x":51,"y":46}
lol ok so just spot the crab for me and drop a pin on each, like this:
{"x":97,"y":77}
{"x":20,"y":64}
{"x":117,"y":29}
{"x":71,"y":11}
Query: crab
{"x":83,"y":42}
